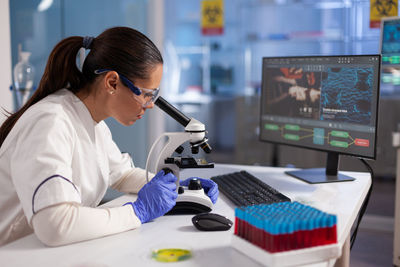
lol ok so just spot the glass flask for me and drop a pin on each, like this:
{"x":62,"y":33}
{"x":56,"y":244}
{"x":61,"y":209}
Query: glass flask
{"x":24,"y":74}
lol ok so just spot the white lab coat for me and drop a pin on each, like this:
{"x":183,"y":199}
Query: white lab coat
{"x":55,"y":154}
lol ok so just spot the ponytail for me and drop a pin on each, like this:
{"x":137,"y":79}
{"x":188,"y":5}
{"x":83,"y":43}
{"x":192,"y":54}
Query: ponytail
{"x":60,"y":72}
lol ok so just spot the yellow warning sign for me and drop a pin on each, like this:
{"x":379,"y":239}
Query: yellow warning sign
{"x":212,"y":17}
{"x":380,"y":9}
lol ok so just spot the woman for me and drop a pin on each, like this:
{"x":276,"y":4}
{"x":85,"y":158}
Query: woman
{"x":57,"y":156}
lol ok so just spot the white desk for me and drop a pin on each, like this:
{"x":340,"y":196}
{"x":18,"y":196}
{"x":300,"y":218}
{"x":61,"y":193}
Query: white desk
{"x":133,"y":248}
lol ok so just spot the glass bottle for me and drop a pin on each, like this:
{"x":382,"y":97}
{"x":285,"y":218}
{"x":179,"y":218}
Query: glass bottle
{"x":24,"y":74}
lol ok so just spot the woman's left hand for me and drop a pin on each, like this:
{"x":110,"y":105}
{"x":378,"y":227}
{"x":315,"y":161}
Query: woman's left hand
{"x":209,"y":186}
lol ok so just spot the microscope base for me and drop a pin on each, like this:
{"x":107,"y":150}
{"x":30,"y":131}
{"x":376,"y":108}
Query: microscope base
{"x":187,"y":208}
{"x":191,"y":202}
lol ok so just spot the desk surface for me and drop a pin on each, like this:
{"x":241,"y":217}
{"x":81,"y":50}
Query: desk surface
{"x":133,"y":248}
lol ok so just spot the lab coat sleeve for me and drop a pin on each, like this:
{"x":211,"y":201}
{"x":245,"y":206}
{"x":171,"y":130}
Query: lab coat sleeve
{"x":132,"y":181}
{"x":70,"y":223}
{"x":41,"y":163}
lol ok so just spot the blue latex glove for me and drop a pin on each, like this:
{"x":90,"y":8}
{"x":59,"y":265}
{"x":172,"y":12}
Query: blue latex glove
{"x":156,"y":197}
{"x":209,"y":186}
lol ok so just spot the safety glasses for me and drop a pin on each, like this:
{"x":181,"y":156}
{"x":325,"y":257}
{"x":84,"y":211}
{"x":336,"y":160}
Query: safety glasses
{"x":149,"y":95}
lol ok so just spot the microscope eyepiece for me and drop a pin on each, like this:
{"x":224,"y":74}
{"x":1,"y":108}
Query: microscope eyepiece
{"x":172,"y":111}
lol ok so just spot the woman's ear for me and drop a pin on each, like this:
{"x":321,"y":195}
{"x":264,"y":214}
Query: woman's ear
{"x":111,"y":80}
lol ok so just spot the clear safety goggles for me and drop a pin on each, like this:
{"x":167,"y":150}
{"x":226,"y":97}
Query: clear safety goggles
{"x":149,"y":95}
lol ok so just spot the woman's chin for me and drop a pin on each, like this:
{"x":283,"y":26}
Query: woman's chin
{"x":127,"y":123}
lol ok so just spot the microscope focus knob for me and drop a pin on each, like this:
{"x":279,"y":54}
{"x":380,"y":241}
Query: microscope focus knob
{"x":181,"y":190}
{"x":167,"y":170}
{"x":194,"y":184}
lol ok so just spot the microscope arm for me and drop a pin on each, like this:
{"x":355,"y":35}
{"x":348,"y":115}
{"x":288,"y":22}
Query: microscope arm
{"x":174,"y":141}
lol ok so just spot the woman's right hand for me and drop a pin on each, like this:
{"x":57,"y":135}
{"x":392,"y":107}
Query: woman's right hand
{"x":156,"y":197}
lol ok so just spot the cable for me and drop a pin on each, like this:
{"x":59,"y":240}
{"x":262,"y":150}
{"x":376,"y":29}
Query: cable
{"x":364,"y":205}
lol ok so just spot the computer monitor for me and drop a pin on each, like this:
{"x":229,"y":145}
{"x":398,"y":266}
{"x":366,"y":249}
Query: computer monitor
{"x":390,"y":50}
{"x":326,"y":103}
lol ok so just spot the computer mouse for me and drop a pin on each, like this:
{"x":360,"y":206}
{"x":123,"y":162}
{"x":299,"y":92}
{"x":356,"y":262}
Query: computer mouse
{"x":211,"y":222}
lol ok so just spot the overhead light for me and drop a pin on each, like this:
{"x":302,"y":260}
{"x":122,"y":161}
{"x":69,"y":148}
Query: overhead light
{"x":44,"y":5}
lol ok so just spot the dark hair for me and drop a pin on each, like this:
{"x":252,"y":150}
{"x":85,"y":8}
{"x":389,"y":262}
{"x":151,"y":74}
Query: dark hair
{"x":122,"y":49}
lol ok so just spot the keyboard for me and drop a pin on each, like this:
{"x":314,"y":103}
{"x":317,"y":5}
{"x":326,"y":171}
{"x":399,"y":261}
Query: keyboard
{"x":243,"y":189}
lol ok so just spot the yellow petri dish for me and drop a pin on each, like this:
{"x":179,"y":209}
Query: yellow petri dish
{"x":171,"y":254}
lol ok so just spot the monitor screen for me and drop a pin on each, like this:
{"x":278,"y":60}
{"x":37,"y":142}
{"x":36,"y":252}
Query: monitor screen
{"x":326,"y":103}
{"x":390,"y":50}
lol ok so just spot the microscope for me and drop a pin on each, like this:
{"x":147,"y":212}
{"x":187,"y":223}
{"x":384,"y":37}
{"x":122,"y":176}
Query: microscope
{"x":191,"y":199}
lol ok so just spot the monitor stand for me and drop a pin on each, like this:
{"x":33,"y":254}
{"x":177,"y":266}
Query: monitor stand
{"x":322,"y":175}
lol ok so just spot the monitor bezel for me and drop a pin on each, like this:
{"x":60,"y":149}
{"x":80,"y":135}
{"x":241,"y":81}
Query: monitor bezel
{"x":320,"y":149}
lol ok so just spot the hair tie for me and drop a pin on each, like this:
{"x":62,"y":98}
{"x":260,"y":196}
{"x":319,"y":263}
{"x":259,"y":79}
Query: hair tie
{"x":87,"y":42}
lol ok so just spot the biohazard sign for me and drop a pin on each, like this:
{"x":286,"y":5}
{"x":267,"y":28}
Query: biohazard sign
{"x":212,"y":17}
{"x":380,"y":9}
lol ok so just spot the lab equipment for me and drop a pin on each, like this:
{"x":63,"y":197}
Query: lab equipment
{"x":209,"y":186}
{"x":327,"y":103}
{"x":189,"y":201}
{"x":24,"y":74}
{"x":211,"y":222}
{"x":285,"y":226}
{"x":156,"y":197}
{"x":243,"y":189}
